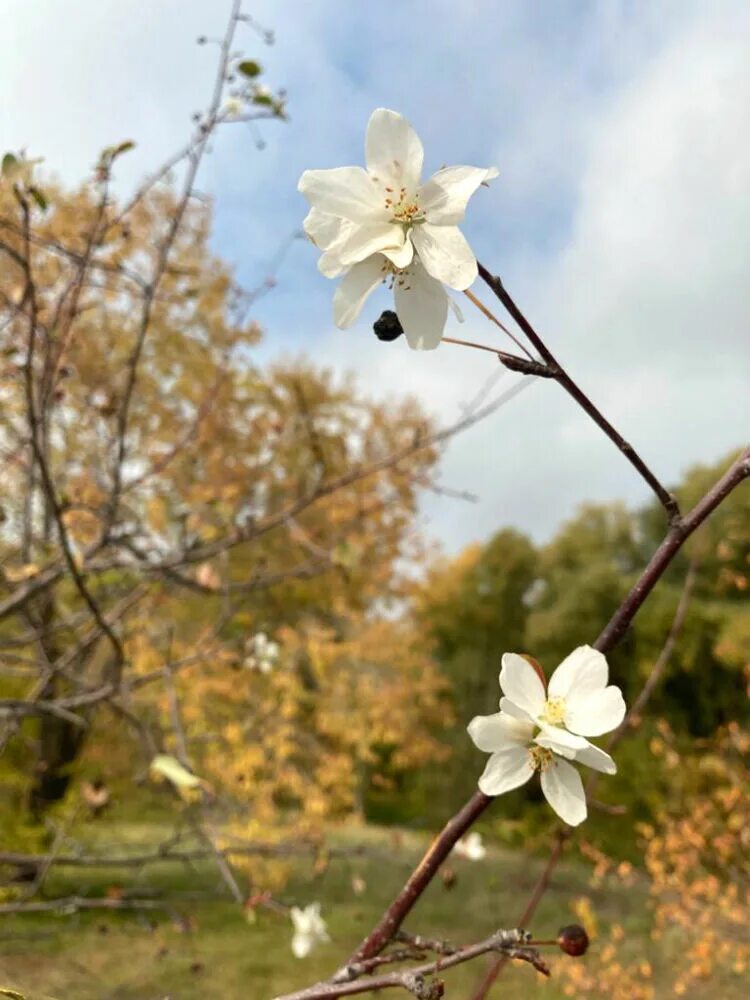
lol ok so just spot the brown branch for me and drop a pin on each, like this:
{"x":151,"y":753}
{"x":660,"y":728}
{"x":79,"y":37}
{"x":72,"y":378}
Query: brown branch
{"x":421,"y":877}
{"x":167,"y":854}
{"x":72,"y":904}
{"x":563,"y":834}
{"x":513,"y":943}
{"x":195,"y":157}
{"x":678,"y":534}
{"x":563,"y":378}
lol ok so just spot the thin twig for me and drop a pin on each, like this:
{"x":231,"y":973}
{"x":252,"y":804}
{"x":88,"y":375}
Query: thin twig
{"x":663,"y":495}
{"x":512,"y":943}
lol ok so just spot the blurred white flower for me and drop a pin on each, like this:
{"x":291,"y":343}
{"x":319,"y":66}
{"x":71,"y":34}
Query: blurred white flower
{"x":233,"y":107}
{"x":309,"y":929}
{"x":382,"y":224}
{"x":359,"y":886}
{"x":471,"y":847}
{"x":262,"y":653}
{"x":526,"y":736}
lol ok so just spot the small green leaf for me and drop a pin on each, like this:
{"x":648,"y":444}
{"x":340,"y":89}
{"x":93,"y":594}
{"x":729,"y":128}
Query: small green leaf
{"x":124,"y":147}
{"x":9,"y":162}
{"x":264,"y":99}
{"x":39,"y":198}
{"x":250,"y":68}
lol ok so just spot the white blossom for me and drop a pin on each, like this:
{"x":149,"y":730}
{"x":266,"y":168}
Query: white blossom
{"x":233,"y":107}
{"x":543,"y":730}
{"x":577,"y":696}
{"x":309,"y":929}
{"x":262,"y":653}
{"x":471,"y":847}
{"x":381,"y":223}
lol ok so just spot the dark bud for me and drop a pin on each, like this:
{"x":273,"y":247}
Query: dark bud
{"x":573,"y":939}
{"x":448,"y":876}
{"x":388,"y":327}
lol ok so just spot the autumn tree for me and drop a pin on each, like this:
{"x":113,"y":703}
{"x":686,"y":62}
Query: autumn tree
{"x":167,"y":501}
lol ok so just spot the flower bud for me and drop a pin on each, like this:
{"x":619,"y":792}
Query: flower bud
{"x":573,"y":939}
{"x":388,"y":327}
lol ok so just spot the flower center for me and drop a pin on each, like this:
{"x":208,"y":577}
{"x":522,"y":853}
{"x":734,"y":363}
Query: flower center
{"x":540,"y":757}
{"x":403,"y":206}
{"x":554,"y":711}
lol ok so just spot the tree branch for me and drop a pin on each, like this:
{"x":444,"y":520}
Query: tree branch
{"x":665,"y":498}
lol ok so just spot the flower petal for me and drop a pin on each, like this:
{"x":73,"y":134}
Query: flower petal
{"x":445,"y":196}
{"x":583,"y":671}
{"x":302,"y":945}
{"x":506,"y":770}
{"x":349,"y":192}
{"x":445,"y":254}
{"x":330,"y":264}
{"x":363,"y":240}
{"x":393,"y":151}
{"x":597,"y":713}
{"x":422,"y":307}
{"x":359,"y":282}
{"x":499,"y":731}
{"x":561,"y":741}
{"x":403,"y":256}
{"x":508,"y":707}
{"x":323,"y":229}
{"x":563,"y":789}
{"x":522,"y":684}
{"x":595,"y":757}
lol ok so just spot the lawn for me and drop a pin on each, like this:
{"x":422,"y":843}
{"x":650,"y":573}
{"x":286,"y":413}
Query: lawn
{"x":206,"y":948}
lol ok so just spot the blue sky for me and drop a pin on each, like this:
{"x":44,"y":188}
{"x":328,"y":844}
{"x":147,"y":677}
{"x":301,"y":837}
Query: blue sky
{"x":620,"y":219}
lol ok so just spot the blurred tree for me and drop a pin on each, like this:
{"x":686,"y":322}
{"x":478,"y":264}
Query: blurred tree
{"x":166,"y":500}
{"x":474,"y":607}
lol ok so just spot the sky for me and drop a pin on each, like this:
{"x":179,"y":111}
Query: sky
{"x":620,"y":219}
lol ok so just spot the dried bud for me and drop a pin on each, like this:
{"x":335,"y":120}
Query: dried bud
{"x":573,"y":939}
{"x":448,"y":876}
{"x":388,"y":327}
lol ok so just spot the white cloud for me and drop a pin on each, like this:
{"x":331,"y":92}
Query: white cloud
{"x":620,"y":220}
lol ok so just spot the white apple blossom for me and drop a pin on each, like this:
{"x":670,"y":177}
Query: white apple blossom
{"x":381,"y":223}
{"x":262,"y":653}
{"x":577,"y":696}
{"x":526,"y":735}
{"x":309,"y":929}
{"x":471,"y":847}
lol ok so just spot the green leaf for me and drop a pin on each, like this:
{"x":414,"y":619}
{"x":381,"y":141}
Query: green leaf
{"x":9,"y":162}
{"x":250,"y":68}
{"x":264,"y":99}
{"x":124,"y":147}
{"x":39,"y":198}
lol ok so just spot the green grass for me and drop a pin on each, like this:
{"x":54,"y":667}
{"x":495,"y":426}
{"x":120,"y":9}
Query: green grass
{"x":151,"y":956}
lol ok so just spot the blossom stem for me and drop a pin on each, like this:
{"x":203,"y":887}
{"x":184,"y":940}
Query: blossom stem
{"x":493,"y":319}
{"x":511,"y":361}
